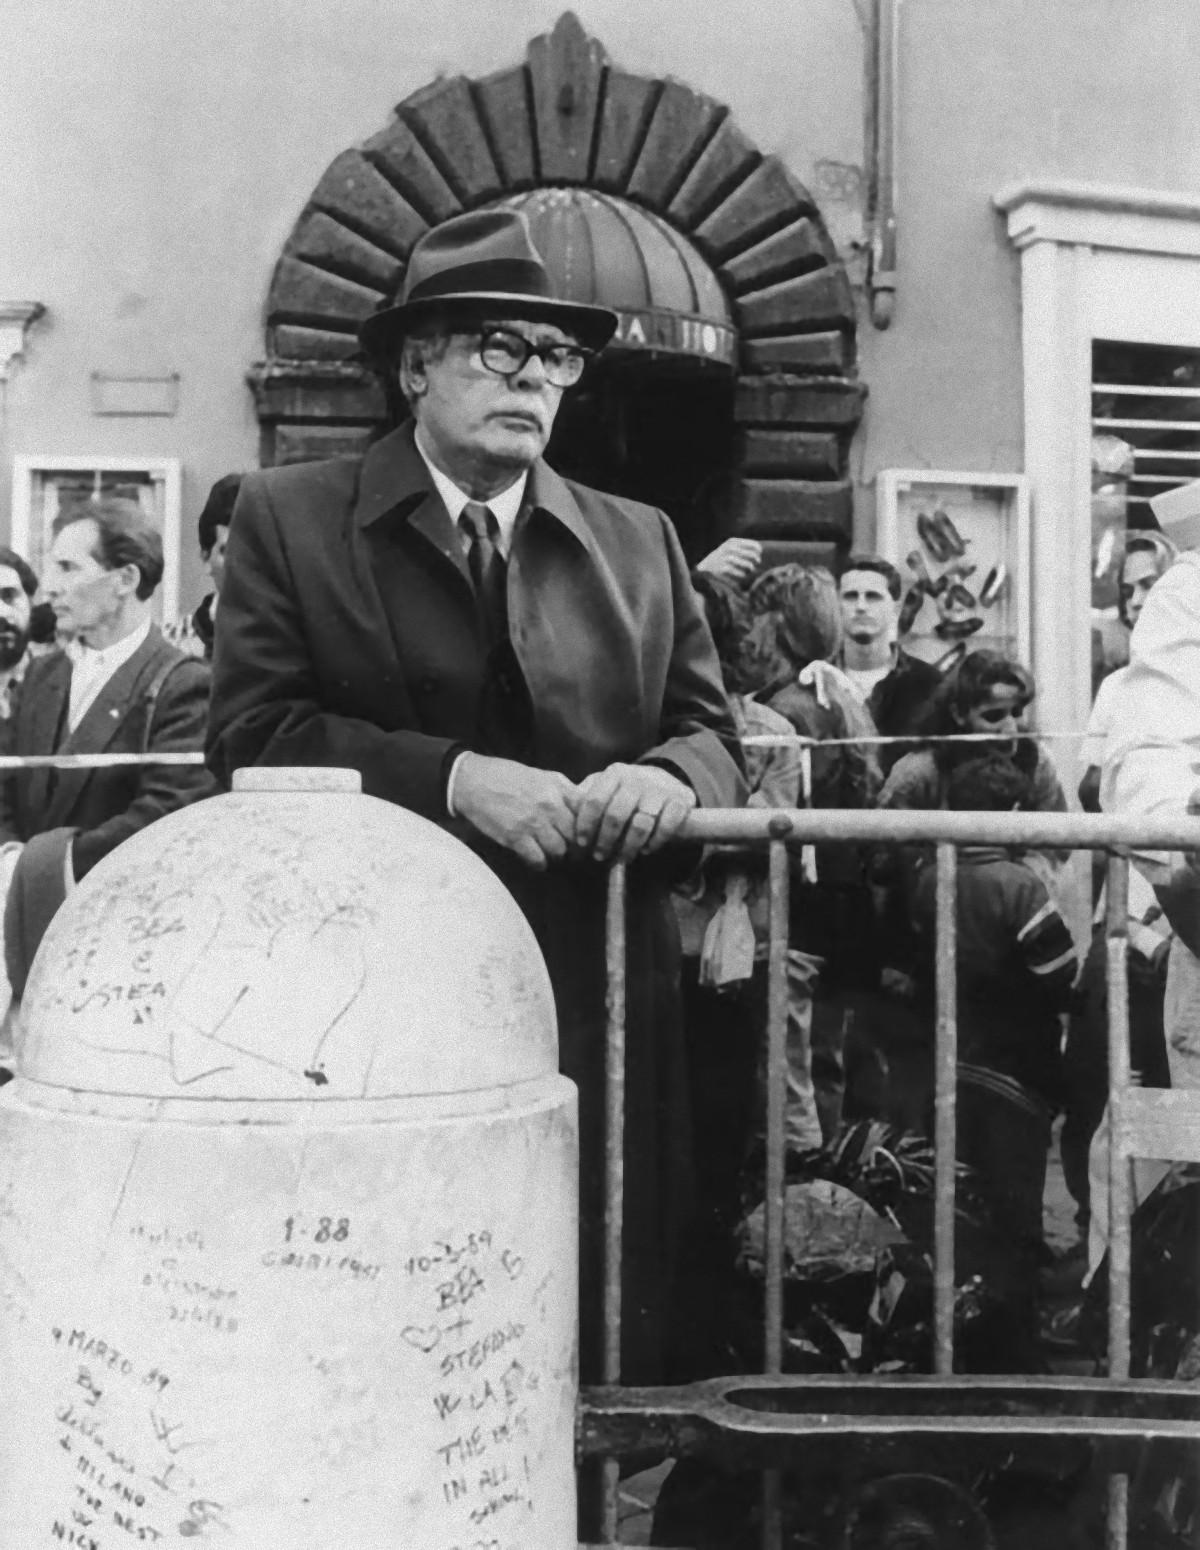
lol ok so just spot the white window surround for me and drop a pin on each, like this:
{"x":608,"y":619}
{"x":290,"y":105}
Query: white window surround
{"x":1097,"y":262}
{"x":164,"y":473}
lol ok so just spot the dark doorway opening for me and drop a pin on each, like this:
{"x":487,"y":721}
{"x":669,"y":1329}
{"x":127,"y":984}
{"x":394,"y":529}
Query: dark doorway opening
{"x":655,"y":430}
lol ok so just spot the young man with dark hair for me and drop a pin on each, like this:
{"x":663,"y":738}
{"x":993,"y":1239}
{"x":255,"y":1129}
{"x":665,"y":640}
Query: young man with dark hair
{"x":213,"y":532}
{"x":116,"y":687}
{"x":894,"y":686}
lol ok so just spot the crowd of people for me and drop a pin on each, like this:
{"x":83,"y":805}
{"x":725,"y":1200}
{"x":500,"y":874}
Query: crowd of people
{"x":530,"y":663}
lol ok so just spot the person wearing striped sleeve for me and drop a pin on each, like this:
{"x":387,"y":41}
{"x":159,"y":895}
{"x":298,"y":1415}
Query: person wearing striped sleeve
{"x":1016,"y":966}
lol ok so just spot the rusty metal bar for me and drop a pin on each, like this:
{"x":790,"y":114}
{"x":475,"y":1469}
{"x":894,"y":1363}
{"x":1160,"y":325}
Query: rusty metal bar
{"x":1051,"y":831}
{"x":945,"y":1109}
{"x":95,"y":761}
{"x":776,"y":1096}
{"x":776,"y":1176}
{"x":758,"y":1419}
{"x":1120,"y":1195}
{"x":614,"y":1167}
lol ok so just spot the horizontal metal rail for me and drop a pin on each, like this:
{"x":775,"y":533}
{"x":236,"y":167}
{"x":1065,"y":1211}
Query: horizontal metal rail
{"x":93,"y":761}
{"x":1034,"y":831}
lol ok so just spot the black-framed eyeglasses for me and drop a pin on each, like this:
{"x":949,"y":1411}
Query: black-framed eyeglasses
{"x":506,"y":352}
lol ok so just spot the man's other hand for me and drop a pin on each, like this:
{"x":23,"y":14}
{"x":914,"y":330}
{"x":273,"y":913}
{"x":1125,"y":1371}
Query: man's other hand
{"x":528,"y":811}
{"x":628,"y":810}
{"x":735,"y":560}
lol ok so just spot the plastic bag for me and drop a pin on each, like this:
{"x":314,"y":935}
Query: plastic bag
{"x":727,"y":953}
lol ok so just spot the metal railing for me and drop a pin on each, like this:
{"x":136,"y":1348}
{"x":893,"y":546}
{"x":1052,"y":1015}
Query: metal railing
{"x":764,"y":1419}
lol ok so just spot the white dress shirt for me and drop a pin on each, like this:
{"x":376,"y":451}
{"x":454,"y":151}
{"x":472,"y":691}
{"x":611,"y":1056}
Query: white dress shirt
{"x":504,"y":507}
{"x":91,"y":670}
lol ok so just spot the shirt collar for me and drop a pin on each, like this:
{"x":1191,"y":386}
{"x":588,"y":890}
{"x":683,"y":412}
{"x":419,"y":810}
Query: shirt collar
{"x":394,"y":477}
{"x":109,"y":658}
{"x":892,"y":664}
{"x":504,"y":507}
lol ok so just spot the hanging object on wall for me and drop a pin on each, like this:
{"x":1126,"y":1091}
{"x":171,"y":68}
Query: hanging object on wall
{"x":950,"y":528}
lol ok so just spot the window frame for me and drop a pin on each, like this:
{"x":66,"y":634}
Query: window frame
{"x":33,"y":471}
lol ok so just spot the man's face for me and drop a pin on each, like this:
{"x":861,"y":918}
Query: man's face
{"x":215,"y":558}
{"x":15,"y":609}
{"x":1138,"y":574}
{"x":868,"y":609}
{"x":474,"y":415}
{"x":82,"y":593}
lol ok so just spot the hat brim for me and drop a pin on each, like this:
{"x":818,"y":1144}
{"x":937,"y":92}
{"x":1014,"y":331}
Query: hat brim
{"x":593,"y":326}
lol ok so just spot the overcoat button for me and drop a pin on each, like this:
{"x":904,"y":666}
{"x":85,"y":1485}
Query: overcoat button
{"x":427,"y":685}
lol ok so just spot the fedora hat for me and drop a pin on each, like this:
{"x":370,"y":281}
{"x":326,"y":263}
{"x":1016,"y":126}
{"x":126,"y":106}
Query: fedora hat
{"x":484,"y":258}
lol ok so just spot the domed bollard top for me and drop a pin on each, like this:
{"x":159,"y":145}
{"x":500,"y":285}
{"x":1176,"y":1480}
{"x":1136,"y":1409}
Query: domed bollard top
{"x":289,"y":1195}
{"x":293,"y":939}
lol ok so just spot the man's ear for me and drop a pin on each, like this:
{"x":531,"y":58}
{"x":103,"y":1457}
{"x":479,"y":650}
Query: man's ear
{"x":410,"y":373}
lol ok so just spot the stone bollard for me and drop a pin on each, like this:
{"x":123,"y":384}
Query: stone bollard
{"x":288,"y":1196}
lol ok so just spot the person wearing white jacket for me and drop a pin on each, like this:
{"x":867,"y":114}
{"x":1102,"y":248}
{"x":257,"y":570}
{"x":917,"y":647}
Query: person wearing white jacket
{"x":1152,"y":769}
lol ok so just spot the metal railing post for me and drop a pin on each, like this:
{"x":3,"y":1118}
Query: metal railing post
{"x":945,"y":1109}
{"x":614,"y":1170}
{"x":776,"y":1173}
{"x":1116,"y":929}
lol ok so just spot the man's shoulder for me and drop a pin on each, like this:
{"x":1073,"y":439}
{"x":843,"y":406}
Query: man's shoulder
{"x":622,"y":511}
{"x":167,"y":666}
{"x":41,"y":665}
{"x":292,"y":483}
{"x":915,"y":669}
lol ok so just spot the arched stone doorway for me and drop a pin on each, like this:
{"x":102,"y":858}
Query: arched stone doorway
{"x":567,"y":117}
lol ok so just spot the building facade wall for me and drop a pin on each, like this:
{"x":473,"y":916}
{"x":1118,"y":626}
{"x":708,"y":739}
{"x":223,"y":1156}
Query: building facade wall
{"x":156,"y":157}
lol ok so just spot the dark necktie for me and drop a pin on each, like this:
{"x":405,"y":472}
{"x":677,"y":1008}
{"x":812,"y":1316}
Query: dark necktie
{"x":487,"y":568}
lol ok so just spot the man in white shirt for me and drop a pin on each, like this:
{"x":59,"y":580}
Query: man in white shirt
{"x":116,"y":687}
{"x":894,"y":686}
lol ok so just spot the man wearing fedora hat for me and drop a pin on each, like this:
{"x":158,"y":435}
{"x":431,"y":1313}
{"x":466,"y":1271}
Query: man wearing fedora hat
{"x":512,"y":655}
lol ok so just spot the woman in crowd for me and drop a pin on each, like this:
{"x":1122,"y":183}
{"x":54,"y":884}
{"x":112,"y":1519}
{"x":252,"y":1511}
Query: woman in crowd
{"x":987,"y":695}
{"x":1015,"y":966}
{"x":833,"y":963}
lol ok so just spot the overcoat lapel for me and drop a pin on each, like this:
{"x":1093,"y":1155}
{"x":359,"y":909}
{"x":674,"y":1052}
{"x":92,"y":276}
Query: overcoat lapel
{"x":106,"y":716}
{"x":47,"y":712}
{"x":396,"y":497}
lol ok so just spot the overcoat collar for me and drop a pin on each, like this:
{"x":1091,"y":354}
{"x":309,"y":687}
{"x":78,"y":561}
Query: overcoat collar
{"x":394,"y":478}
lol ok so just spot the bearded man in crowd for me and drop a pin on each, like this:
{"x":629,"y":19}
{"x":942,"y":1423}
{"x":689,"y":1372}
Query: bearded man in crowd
{"x":18,"y":584}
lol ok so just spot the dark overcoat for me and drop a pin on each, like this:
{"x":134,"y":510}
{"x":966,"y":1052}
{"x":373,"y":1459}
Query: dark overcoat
{"x":348,"y":635}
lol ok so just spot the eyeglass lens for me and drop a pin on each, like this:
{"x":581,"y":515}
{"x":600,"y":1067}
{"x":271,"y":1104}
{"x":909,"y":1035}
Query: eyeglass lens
{"x":507,"y":353}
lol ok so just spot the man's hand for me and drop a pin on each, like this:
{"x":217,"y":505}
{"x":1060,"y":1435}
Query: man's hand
{"x":734,"y":561}
{"x":529,"y":811}
{"x":628,"y":810}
